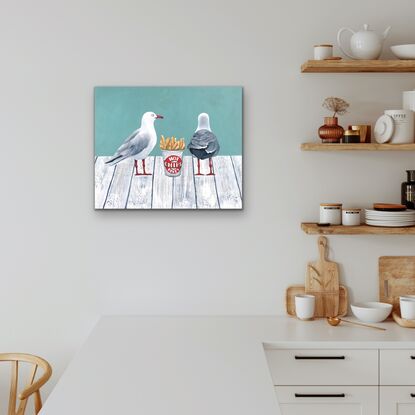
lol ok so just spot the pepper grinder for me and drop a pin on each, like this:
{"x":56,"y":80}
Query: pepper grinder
{"x":408,"y":190}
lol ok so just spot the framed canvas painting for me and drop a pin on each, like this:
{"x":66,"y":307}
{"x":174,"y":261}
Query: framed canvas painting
{"x":168,"y":147}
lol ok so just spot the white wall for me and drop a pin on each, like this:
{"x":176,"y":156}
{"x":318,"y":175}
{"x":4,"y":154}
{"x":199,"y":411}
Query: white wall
{"x":63,"y":263}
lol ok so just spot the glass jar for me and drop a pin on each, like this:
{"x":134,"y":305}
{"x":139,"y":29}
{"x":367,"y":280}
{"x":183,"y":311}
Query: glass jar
{"x":408,"y":190}
{"x":351,"y":136}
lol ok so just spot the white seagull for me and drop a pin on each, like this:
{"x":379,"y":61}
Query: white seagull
{"x":139,"y":144}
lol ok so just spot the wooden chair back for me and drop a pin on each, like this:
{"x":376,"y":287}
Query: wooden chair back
{"x":32,"y":387}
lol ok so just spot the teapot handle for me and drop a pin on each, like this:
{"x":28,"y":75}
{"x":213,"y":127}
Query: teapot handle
{"x":339,"y":42}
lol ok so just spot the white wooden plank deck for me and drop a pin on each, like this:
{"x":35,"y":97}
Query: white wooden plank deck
{"x":117,"y":187}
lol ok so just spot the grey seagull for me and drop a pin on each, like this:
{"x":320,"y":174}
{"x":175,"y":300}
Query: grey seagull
{"x":204,"y":143}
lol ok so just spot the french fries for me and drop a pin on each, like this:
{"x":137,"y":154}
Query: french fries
{"x":171,"y":143}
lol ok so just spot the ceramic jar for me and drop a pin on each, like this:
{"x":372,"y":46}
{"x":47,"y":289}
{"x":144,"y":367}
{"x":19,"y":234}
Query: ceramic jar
{"x":403,"y":121}
{"x":331,"y":213}
{"x":331,"y":131}
{"x":351,"y":217}
{"x":322,"y":52}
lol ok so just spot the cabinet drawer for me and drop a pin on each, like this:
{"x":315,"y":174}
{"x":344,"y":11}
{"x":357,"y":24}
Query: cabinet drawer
{"x":397,"y":400}
{"x":327,"y":400}
{"x":323,"y":367}
{"x":397,"y":367}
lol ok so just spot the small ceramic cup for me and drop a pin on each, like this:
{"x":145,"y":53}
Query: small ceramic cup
{"x":351,"y":217}
{"x":322,"y":52}
{"x":304,"y":306}
{"x":407,"y":304}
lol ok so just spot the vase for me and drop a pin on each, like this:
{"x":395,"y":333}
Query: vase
{"x":331,"y":131}
{"x":408,"y":190}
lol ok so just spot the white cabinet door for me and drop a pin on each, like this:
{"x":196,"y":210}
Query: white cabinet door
{"x":397,"y":400}
{"x":397,"y":367}
{"x":328,"y":400}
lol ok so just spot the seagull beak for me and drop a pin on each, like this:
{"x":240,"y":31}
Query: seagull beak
{"x":159,"y":116}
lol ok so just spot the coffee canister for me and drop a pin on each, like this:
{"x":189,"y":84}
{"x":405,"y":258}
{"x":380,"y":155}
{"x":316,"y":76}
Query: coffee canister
{"x":331,"y":213}
{"x":351,"y":217}
{"x":403,"y":121}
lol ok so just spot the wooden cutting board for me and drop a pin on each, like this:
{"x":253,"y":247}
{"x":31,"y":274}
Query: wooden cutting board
{"x":396,"y":278}
{"x":294,"y":290}
{"x":322,"y":280}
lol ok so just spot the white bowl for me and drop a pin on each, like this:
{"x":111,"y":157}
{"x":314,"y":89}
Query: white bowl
{"x":372,"y":312}
{"x":404,"y":51}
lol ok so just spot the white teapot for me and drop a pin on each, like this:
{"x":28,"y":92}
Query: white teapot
{"x":365,"y":44}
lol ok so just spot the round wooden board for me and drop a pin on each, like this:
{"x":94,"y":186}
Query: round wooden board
{"x":409,"y":324}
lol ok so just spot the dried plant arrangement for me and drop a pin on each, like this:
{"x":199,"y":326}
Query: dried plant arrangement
{"x":337,"y":106}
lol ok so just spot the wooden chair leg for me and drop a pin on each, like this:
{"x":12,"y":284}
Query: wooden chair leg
{"x":38,"y":402}
{"x":13,"y":388}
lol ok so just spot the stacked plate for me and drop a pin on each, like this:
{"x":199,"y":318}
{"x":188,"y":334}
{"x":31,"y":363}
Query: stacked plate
{"x":390,"y":219}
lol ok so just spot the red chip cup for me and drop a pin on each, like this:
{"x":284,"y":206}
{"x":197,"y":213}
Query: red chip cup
{"x":172,"y":161}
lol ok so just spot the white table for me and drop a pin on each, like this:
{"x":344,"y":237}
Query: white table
{"x":194,"y":365}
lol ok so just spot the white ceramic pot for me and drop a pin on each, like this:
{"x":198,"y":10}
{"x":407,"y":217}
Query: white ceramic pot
{"x":304,"y":306}
{"x":322,"y":52}
{"x":331,"y":213}
{"x":351,"y":217}
{"x":403,"y":121}
{"x":364,"y":44}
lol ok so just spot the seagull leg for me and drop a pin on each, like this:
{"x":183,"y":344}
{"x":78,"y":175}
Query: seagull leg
{"x":143,"y":162}
{"x":198,"y":169}
{"x":211,"y":172}
{"x":144,"y":173}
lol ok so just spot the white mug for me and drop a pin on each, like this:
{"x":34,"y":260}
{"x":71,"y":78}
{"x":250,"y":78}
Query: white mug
{"x":304,"y":306}
{"x":322,"y":52}
{"x":407,"y":304}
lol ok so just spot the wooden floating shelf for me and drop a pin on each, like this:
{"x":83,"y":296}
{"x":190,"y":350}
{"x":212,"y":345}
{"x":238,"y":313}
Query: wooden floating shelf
{"x":356,"y":147}
{"x":350,"y":66}
{"x":314,"y":229}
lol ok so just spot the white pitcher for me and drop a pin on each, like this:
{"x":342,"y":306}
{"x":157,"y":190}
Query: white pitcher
{"x":365,"y":44}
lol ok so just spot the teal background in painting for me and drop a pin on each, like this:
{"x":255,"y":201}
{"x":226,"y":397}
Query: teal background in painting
{"x":118,"y":112}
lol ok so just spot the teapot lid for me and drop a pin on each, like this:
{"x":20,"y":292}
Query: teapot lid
{"x":366,"y":27}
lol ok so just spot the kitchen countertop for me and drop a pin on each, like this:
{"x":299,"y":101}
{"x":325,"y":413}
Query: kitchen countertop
{"x":194,"y":365}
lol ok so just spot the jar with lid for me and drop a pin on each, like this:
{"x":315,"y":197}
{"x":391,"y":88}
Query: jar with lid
{"x":331,"y":213}
{"x":351,"y":217}
{"x":351,"y":136}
